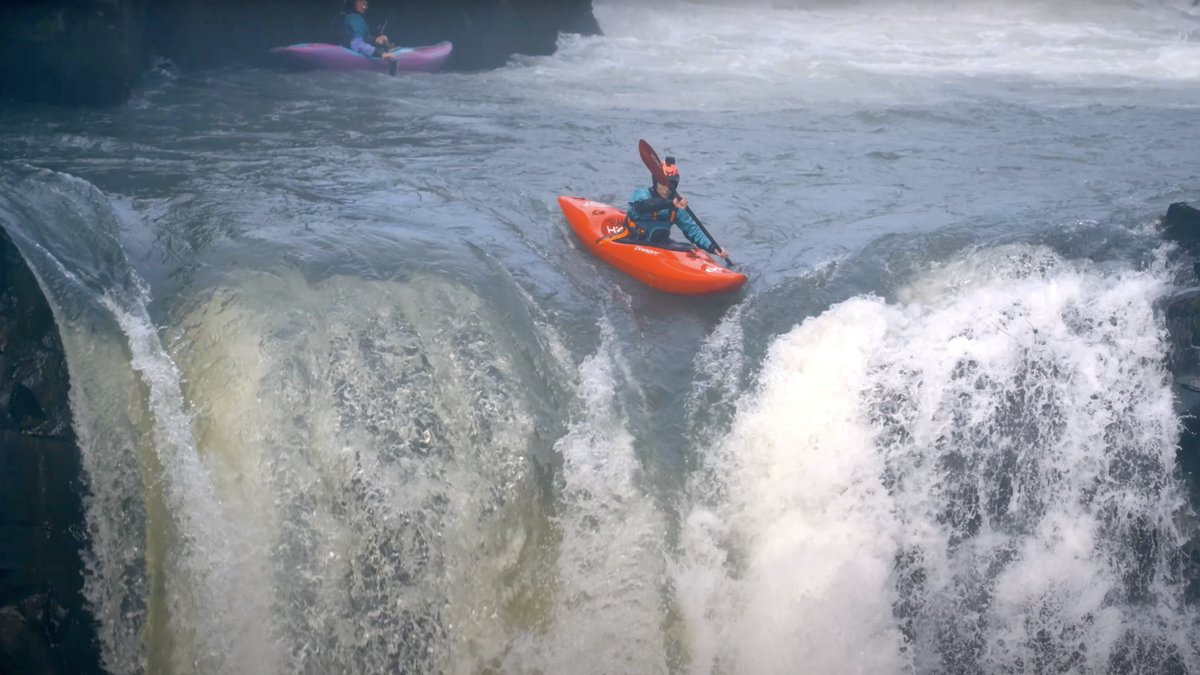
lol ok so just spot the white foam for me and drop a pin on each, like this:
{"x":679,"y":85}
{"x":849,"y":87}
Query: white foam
{"x":688,"y":56}
{"x":211,"y":570}
{"x":608,"y":613}
{"x":1007,"y":432}
{"x":370,"y":432}
{"x":807,"y":518}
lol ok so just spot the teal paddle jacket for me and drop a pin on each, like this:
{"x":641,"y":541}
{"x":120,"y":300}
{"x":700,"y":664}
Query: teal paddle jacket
{"x":357,"y":36}
{"x":650,"y":214}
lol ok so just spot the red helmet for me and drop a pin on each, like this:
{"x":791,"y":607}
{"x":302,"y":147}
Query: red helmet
{"x":671,"y":170}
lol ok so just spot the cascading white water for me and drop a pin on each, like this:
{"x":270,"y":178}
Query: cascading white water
{"x":145,"y":480}
{"x":792,"y":567}
{"x":373,"y":436}
{"x":607,"y":577}
{"x":977,"y":478}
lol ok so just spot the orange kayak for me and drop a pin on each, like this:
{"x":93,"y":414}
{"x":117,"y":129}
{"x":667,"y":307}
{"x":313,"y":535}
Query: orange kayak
{"x":674,"y":268}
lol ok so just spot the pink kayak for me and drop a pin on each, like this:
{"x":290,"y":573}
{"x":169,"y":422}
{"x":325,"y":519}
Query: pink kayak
{"x":335,"y":57}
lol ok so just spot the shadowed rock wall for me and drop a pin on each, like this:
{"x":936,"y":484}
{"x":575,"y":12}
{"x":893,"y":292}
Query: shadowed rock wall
{"x":1182,"y":313}
{"x":70,"y":51}
{"x":44,"y":627}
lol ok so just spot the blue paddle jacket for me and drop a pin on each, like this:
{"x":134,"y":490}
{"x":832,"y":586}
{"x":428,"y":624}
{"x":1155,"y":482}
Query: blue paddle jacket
{"x":649,"y":213}
{"x":357,"y":36}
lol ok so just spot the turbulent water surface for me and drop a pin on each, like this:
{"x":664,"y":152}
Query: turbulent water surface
{"x":353,"y":399}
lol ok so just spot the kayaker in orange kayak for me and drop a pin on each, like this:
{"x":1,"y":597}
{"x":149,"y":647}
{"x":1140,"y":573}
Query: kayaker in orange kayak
{"x":652,"y":212}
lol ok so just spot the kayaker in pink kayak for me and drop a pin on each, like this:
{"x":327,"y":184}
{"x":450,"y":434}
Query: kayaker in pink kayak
{"x":357,"y":36}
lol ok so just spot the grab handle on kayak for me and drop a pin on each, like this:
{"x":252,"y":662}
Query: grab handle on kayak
{"x":611,"y":237}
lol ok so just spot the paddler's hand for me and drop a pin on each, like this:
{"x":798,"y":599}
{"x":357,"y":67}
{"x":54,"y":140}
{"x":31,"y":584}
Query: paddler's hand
{"x":680,"y":203}
{"x":381,"y":40}
{"x":720,"y":253}
{"x":388,"y":55}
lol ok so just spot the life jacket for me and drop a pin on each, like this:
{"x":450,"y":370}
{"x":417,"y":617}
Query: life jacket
{"x":632,"y":226}
{"x":344,"y":33}
{"x":337,"y":30}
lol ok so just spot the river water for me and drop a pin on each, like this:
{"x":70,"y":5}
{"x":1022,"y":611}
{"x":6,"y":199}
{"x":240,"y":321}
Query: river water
{"x":353,"y":399}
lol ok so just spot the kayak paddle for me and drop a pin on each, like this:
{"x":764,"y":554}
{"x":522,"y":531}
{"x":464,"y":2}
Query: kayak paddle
{"x":652,"y":162}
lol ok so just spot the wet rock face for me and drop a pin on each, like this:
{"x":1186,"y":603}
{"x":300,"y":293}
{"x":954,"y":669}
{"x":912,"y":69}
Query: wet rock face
{"x":1181,"y":224}
{"x":91,"y":52}
{"x":485,"y":34}
{"x":44,"y":627}
{"x":22,"y":648}
{"x":74,"y":52}
{"x":33,"y":372}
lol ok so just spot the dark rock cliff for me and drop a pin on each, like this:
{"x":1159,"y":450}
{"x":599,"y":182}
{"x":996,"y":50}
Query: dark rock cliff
{"x":70,"y":51}
{"x":91,"y":52}
{"x":1182,"y":311}
{"x":44,"y":627}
